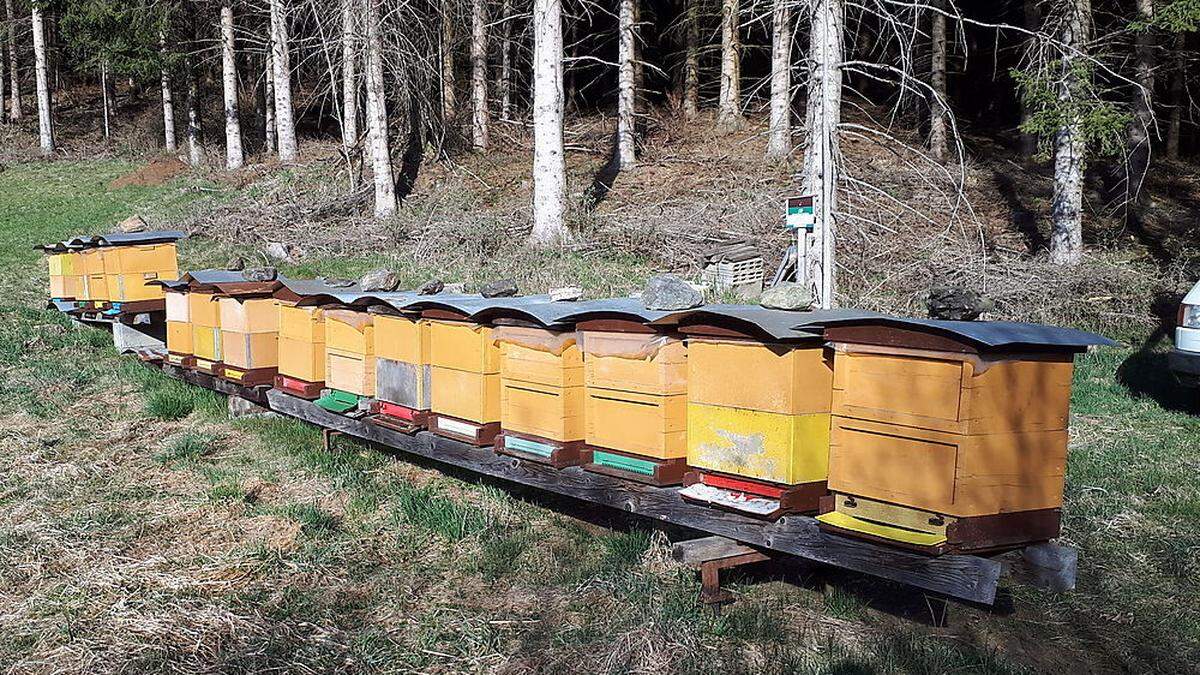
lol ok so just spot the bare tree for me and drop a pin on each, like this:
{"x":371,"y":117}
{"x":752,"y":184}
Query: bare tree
{"x":195,"y":146}
{"x":285,"y":123}
{"x":45,"y":122}
{"x":1070,"y":147}
{"x":270,"y":133}
{"x":779,"y":142}
{"x":377,"y":118}
{"x":479,"y":88}
{"x":234,"y":158}
{"x":105,"y":100}
{"x":1033,"y":22}
{"x":168,"y":104}
{"x":449,"y":103}
{"x":823,"y":154}
{"x":13,"y":74}
{"x":549,"y":167}
{"x":1143,"y":114}
{"x":1178,"y":99}
{"x":729,"y":105}
{"x":349,"y":76}
{"x":937,"y":83}
{"x":691,"y":62}
{"x":506,"y":66}
{"x":626,"y":94}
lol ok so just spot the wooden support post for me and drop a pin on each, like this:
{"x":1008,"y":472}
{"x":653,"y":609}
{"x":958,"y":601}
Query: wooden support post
{"x":711,"y":555}
{"x":327,"y":436}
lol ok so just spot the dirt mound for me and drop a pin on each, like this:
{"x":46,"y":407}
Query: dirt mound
{"x":156,"y":172}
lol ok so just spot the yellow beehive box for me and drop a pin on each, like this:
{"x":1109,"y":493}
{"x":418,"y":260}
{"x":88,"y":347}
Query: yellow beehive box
{"x":91,"y":261}
{"x":956,"y":393}
{"x":141,"y":258}
{"x":206,"y":342}
{"x":56,"y":263}
{"x":757,"y":376}
{"x":302,"y":359}
{"x":203,"y":310}
{"x":644,"y":424}
{"x":547,"y":411}
{"x":73,"y":286}
{"x":465,"y":346}
{"x":136,"y":286}
{"x":96,"y":287}
{"x":350,"y":331}
{"x":179,"y":337}
{"x":774,"y":447}
{"x":948,"y":473}
{"x":58,"y":287}
{"x":402,"y":339}
{"x":474,"y":397}
{"x":249,"y":350}
{"x":349,"y":371}
{"x":540,"y":356}
{"x":302,"y":324}
{"x":177,"y":306}
{"x":646,"y":363}
{"x":254,"y":315}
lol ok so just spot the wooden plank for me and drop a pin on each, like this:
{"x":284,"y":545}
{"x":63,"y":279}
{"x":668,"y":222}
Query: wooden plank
{"x":969,"y":578}
{"x":695,"y":551}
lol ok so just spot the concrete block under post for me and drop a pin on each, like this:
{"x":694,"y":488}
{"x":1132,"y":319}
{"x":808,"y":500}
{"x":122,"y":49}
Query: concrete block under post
{"x":240,"y":407}
{"x":136,"y":338}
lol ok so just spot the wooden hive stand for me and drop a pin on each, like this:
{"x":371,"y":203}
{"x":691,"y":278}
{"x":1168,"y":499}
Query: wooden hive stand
{"x":710,"y":555}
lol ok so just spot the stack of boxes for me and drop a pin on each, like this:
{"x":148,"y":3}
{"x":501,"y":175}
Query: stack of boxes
{"x":95,"y":282}
{"x":541,"y":396}
{"x":179,"y":327}
{"x":65,"y":282}
{"x":249,"y":339}
{"x":349,"y":360}
{"x":635,"y":404}
{"x":301,"y":351}
{"x":204,"y":313}
{"x":465,"y":379}
{"x":403,"y":374}
{"x":129,"y":270}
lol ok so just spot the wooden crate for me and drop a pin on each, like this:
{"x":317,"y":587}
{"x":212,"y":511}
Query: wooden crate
{"x":768,"y":446}
{"x":465,"y":395}
{"x":301,"y":359}
{"x":249,"y":350}
{"x":177,"y":305}
{"x":253,"y":315}
{"x":948,"y":473}
{"x":757,"y":376}
{"x":963,"y":394}
{"x":543,"y":410}
{"x":349,"y":371}
{"x":179,"y":337}
{"x":206,"y":343}
{"x":203,"y":310}
{"x":460,"y":345}
{"x":350,"y":332}
{"x":652,"y":425}
{"x":400,"y":338}
{"x":608,"y":364}
{"x":302,"y":324}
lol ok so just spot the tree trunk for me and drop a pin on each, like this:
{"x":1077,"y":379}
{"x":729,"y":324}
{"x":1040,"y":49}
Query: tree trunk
{"x":626,"y":94}
{"x":195,"y":147}
{"x":270,"y":128}
{"x":285,"y":123}
{"x":729,"y":108}
{"x":506,"y":60}
{"x":14,"y":75}
{"x":1178,"y":100}
{"x":1033,"y":22}
{"x":1070,"y":149}
{"x":449,"y":104}
{"x":45,"y":123}
{"x":779,"y":143}
{"x":639,"y":67}
{"x":105,"y":104}
{"x":691,"y":61}
{"x":1143,"y":114}
{"x":349,"y":78}
{"x":377,"y":120}
{"x":4,"y":80}
{"x":937,"y":82}
{"x":479,"y":88}
{"x":822,"y":155}
{"x":168,"y":103}
{"x":234,"y":159}
{"x":549,"y":168}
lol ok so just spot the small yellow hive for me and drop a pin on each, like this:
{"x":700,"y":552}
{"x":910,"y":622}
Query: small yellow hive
{"x":205,"y":316}
{"x":465,"y":371}
{"x":127,"y":270}
{"x":91,"y":269}
{"x":403,"y":375}
{"x":350,"y":351}
{"x":65,"y":284}
{"x":249,"y":338}
{"x":179,"y":324}
{"x":541,"y":384}
{"x":302,"y":343}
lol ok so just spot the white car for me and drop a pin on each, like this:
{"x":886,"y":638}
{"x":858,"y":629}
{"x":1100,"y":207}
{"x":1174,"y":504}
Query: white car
{"x":1184,"y":359}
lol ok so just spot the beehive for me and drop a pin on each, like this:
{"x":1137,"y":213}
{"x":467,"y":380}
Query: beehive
{"x":179,"y":325}
{"x":635,"y":408}
{"x":301,"y":350}
{"x":350,"y":351}
{"x":969,"y":446}
{"x":128,"y":268}
{"x":65,"y":284}
{"x":90,"y":266}
{"x":464,"y":380}
{"x":403,"y":375}
{"x":205,"y":316}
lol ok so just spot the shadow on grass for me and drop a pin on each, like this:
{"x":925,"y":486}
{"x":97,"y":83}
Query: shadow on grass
{"x":1146,"y":374}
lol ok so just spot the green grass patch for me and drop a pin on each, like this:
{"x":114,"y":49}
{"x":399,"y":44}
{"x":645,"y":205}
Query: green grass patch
{"x":185,"y":448}
{"x":426,"y":508}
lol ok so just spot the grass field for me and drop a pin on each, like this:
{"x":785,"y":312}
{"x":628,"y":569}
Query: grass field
{"x":141,"y":530}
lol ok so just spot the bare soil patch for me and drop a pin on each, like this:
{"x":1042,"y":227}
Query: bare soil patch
{"x":154,"y":173}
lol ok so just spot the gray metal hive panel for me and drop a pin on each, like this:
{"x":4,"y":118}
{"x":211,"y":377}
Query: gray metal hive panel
{"x":992,"y":334}
{"x":629,"y":309}
{"x":307,"y":287}
{"x":544,"y":312}
{"x":473,"y":306}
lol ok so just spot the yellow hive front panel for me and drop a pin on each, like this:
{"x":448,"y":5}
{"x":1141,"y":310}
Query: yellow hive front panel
{"x":56,"y":263}
{"x":542,"y":410}
{"x":206,"y":342}
{"x":302,"y":359}
{"x":256,"y":315}
{"x":179,"y":337}
{"x":135,"y":286}
{"x":91,"y":261}
{"x":350,"y":372}
{"x":402,"y":339}
{"x":249,"y":350}
{"x":177,"y":306}
{"x":788,"y":449}
{"x":645,"y":424}
{"x":350,"y":331}
{"x":302,"y":323}
{"x":525,"y":364}
{"x":58,"y":287}
{"x":97,"y":287}
{"x":461,"y":345}
{"x":650,"y":364}
{"x":73,"y":285}
{"x":141,"y":258}
{"x":203,"y":310}
{"x":470,"y":396}
{"x":784,"y":379}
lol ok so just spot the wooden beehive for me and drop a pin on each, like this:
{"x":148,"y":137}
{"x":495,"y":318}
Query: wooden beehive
{"x":403,"y":375}
{"x":302,"y":344}
{"x":542,"y":397}
{"x":350,"y":351}
{"x":465,"y":371}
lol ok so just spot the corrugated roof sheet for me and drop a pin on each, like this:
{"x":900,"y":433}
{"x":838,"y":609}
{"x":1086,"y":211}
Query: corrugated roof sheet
{"x":777,"y":324}
{"x":80,"y":242}
{"x":990,"y":334}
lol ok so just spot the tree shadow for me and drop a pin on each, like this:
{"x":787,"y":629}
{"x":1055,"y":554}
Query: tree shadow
{"x":1023,"y":219}
{"x":1145,"y":372}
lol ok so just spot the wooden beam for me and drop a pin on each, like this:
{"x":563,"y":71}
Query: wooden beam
{"x":964,"y":577}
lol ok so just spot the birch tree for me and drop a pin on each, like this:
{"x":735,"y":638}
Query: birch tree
{"x":779,"y":142}
{"x":479,"y":88}
{"x":4,"y":81}
{"x":14,"y":75}
{"x":691,"y":59}
{"x":349,"y":77}
{"x":449,"y":103}
{"x":506,"y":46}
{"x":1070,"y":147}
{"x":285,"y":123}
{"x":168,"y":104}
{"x":729,"y":105}
{"x":823,"y":154}
{"x":45,"y":122}
{"x":1143,"y":113}
{"x":377,"y":119}
{"x":234,"y":158}
{"x":937,"y":83}
{"x":195,"y":145}
{"x":626,"y":93}
{"x":270,"y":133}
{"x":549,"y":167}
